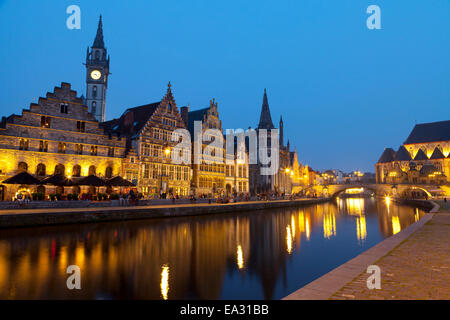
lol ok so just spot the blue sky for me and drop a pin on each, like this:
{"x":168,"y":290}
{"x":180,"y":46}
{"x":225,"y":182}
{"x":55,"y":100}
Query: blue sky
{"x":345,"y":92}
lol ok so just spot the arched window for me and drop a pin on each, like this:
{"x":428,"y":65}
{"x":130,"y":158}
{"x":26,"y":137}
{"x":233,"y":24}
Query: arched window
{"x":76,"y":171}
{"x":108,"y":172}
{"x":92,"y":170}
{"x":94,"y":91}
{"x":60,"y":169}
{"x":40,"y":170}
{"x":94,"y":107}
{"x":97,"y":54}
{"x":23,"y":166}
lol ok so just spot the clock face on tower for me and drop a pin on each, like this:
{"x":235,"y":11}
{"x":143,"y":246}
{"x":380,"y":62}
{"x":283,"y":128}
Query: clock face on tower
{"x":96,"y":74}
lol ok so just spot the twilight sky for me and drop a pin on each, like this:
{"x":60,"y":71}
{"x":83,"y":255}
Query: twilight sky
{"x":345,"y":92}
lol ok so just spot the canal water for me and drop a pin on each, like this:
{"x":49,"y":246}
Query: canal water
{"x":264,"y":254}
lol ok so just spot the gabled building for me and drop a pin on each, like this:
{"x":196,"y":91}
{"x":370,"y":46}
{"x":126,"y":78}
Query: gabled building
{"x":57,"y":135}
{"x":148,"y":130}
{"x":214,"y":176}
{"x":427,"y":147}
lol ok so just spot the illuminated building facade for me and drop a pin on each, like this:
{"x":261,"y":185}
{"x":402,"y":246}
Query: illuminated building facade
{"x":57,"y":135}
{"x":214,"y":176}
{"x":424,"y":158}
{"x":148,"y":131}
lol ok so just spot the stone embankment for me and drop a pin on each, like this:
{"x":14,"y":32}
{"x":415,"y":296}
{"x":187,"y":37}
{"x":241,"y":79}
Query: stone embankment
{"x":39,"y":217}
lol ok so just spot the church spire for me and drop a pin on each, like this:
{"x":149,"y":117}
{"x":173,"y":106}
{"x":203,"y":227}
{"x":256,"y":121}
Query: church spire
{"x":281,"y":128}
{"x":98,"y":42}
{"x":265,"y":120}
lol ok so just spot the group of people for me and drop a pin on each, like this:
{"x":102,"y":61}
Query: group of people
{"x":22,"y":198}
{"x":130,"y":198}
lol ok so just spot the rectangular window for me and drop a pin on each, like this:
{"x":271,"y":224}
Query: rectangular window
{"x":61,"y":147}
{"x":64,"y":108}
{"x":23,"y":144}
{"x":81,"y":126}
{"x":43,"y":146}
{"x":45,"y":122}
{"x":155,"y":171}
{"x":79,"y":149}
{"x":171,"y":172}
{"x":111,"y":152}
{"x":146,"y":149}
{"x":93,"y":150}
{"x":146,"y":171}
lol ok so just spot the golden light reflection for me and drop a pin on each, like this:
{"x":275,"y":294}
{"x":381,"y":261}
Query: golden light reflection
{"x":63,"y":258}
{"x":355,"y":206}
{"x":395,"y":225}
{"x":165,"y":282}
{"x":361,"y":231}
{"x":293,"y":226}
{"x":307,"y":228}
{"x":301,"y":221}
{"x":354,"y":190}
{"x":79,"y":256}
{"x":288,"y":239}
{"x":240,"y":257}
{"x":329,"y":225}
{"x":416,"y":215}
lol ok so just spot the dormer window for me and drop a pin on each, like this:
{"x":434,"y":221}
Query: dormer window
{"x":169,"y":107}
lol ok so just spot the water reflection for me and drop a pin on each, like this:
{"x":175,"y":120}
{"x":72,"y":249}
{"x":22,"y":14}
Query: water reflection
{"x":165,"y":282}
{"x":361,"y":230}
{"x":251,"y":255}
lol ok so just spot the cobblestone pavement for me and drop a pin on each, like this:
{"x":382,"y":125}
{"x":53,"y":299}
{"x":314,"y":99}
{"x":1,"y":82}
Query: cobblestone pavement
{"x":419,"y":268}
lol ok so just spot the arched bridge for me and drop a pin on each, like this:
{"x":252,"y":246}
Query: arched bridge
{"x":394,"y":190}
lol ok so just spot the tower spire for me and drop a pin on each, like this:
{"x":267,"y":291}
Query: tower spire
{"x":98,"y":42}
{"x":281,"y":128}
{"x":265,"y":120}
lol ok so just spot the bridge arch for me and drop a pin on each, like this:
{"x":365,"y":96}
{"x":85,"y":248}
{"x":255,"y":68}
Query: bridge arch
{"x":407,"y":189}
{"x":336,"y":191}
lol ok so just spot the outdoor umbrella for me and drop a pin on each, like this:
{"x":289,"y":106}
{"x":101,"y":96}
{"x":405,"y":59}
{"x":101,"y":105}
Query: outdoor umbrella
{"x":91,"y":181}
{"x":118,"y":181}
{"x":22,"y":178}
{"x":58,"y":180}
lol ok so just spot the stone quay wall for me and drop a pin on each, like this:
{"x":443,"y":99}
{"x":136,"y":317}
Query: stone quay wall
{"x":40,"y":217}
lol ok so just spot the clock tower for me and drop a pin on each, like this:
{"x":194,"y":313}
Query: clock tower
{"x":97,"y":71}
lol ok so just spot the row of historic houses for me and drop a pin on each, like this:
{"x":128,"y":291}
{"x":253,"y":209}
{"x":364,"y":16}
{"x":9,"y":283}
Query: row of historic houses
{"x":67,"y":134}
